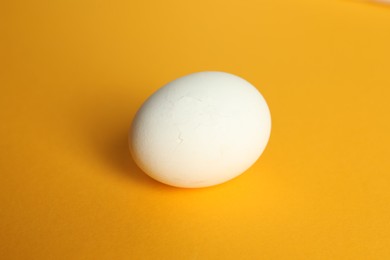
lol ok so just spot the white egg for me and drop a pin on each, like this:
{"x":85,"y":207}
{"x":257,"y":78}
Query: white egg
{"x":200,"y":130}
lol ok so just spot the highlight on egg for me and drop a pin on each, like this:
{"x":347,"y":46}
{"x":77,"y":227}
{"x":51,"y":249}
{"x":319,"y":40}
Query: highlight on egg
{"x":200,"y":130}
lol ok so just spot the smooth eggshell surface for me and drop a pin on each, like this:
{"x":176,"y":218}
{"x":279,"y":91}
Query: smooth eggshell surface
{"x":200,"y":130}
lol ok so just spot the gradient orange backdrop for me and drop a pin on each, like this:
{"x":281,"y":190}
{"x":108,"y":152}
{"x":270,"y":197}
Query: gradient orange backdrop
{"x":73,"y":74}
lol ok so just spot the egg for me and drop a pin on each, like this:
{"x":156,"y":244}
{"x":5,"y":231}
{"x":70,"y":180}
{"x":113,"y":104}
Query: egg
{"x":200,"y":130}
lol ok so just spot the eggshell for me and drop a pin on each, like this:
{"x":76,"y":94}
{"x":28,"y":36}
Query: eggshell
{"x":200,"y":130}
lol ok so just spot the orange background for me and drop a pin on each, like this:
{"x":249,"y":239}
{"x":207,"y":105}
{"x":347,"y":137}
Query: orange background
{"x":73,"y":74}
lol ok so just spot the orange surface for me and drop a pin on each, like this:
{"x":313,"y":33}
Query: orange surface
{"x":73,"y":74}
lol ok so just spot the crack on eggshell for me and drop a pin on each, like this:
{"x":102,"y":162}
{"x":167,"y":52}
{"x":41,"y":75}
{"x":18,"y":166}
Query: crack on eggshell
{"x":180,"y":138}
{"x":207,"y":109}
